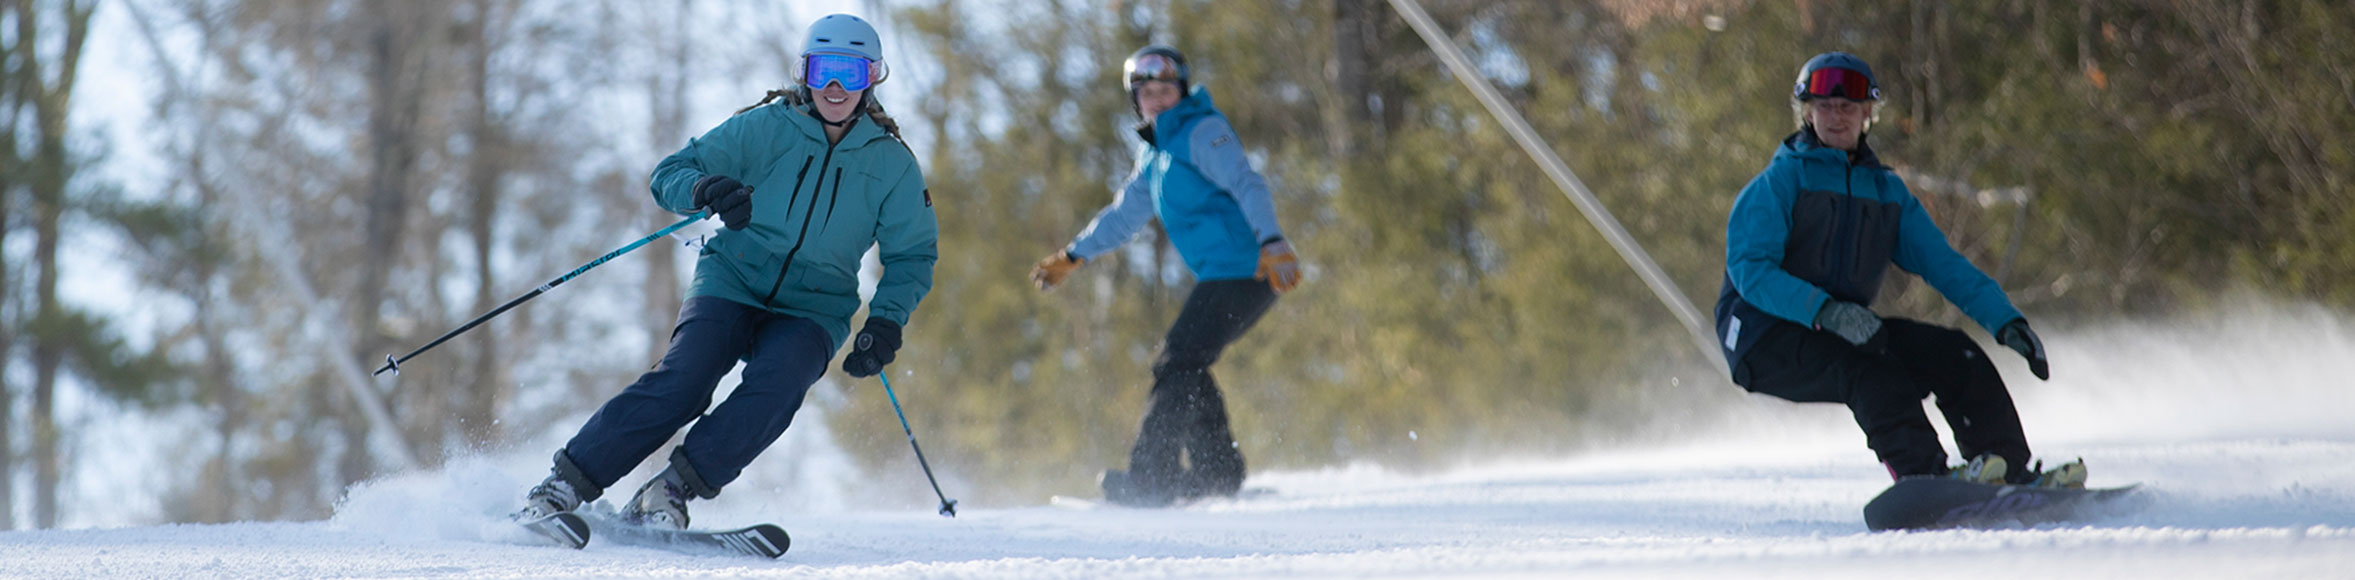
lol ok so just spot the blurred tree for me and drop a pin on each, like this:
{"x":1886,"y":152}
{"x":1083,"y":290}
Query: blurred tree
{"x":44,"y":64}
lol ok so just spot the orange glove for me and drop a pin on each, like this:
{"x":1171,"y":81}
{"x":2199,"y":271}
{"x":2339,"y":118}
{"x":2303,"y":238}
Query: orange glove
{"x":1278,"y":266}
{"x":1051,"y":270}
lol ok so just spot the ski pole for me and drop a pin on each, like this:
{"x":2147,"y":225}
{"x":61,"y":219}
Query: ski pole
{"x":948,"y":507}
{"x":394,"y":365}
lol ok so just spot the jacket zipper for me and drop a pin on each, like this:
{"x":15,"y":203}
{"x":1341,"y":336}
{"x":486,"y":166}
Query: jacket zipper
{"x":1844,"y":237}
{"x":833,"y":200}
{"x":806,"y":215}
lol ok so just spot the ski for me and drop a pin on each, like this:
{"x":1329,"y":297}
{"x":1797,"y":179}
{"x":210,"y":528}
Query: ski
{"x":763,"y":540}
{"x":1922,"y":503}
{"x":566,"y":529}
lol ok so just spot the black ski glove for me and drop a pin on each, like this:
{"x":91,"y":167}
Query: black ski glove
{"x":728,"y":198}
{"x":2015,"y":334}
{"x":876,"y":345}
{"x":1851,"y":321}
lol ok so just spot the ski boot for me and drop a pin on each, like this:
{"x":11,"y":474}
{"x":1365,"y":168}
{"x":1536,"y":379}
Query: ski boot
{"x":552,"y":496}
{"x":1987,"y":468}
{"x":661,"y":503}
{"x":565,"y":489}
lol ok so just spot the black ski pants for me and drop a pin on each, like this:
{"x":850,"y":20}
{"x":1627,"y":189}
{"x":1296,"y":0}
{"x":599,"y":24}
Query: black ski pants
{"x":783,"y":356}
{"x":1185,"y":415}
{"x":1884,"y":384}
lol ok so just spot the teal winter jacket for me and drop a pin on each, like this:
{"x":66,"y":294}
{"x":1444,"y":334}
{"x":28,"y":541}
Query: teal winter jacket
{"x":1820,"y":224}
{"x":816,"y":208}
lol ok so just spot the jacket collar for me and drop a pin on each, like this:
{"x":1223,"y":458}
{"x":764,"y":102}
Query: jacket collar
{"x":1196,"y":104}
{"x":862,"y":130}
{"x":1804,"y":143}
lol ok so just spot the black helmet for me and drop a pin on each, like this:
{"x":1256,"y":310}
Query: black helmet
{"x":1154,"y":62}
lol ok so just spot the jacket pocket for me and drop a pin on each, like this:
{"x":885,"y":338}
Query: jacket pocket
{"x":818,"y":290}
{"x":744,"y":259}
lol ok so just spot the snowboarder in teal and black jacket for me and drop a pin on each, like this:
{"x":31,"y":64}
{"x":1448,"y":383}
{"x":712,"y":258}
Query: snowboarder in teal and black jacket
{"x":1806,"y":246}
{"x":804,"y":186}
{"x":1217,"y":210}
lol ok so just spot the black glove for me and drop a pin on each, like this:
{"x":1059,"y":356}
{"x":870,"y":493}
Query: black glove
{"x":1851,"y":321}
{"x":727,"y":197}
{"x":2016,"y":335}
{"x":876,"y":345}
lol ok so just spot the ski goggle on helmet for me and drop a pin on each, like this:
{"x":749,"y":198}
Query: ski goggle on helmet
{"x":853,"y":73}
{"x":1154,"y":63}
{"x":841,"y":49}
{"x":1836,"y":75}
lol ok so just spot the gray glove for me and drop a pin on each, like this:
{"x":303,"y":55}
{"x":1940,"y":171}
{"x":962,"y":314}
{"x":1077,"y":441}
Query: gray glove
{"x":2018,"y":337}
{"x":1851,"y":321}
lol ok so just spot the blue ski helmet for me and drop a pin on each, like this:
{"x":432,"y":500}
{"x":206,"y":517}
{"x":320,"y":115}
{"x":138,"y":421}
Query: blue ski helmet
{"x":823,"y":47}
{"x":843,"y":34}
{"x":1836,"y":74}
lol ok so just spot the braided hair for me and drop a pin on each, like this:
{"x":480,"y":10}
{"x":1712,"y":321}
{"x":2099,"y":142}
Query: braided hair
{"x":800,"y":97}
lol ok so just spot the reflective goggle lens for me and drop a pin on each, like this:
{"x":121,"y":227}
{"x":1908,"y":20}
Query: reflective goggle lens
{"x":854,"y":73}
{"x":1842,"y":83}
{"x":1152,"y":67}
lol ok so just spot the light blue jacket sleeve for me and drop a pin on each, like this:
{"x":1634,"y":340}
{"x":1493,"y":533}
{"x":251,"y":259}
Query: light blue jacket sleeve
{"x":724,"y":150}
{"x":1756,"y":232}
{"x":1131,"y":208}
{"x":1218,"y":155}
{"x":1922,"y":250}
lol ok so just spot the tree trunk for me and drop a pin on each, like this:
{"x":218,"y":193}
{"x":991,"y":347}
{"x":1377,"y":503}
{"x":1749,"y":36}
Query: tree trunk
{"x":11,"y":107}
{"x":1352,"y":31}
{"x":484,"y":169}
{"x":50,"y":171}
{"x":396,"y":96}
{"x":667,"y":89}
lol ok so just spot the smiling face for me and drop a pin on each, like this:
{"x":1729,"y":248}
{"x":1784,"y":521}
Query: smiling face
{"x":1839,"y":123}
{"x":835,"y":104}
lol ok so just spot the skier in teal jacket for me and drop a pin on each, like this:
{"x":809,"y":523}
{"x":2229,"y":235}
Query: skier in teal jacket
{"x":1806,"y":245}
{"x":804,"y":186}
{"x":1217,"y":210}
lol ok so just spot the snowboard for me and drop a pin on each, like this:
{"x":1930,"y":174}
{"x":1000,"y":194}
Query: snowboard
{"x":763,"y":540}
{"x":565,"y":529}
{"x":1119,"y":493}
{"x":1926,"y":503}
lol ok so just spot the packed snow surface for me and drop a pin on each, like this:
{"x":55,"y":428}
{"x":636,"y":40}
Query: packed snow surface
{"x":2241,"y":435}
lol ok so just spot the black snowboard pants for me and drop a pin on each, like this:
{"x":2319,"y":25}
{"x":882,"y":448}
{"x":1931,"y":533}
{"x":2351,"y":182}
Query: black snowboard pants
{"x":1884,"y":383}
{"x":1185,"y":417}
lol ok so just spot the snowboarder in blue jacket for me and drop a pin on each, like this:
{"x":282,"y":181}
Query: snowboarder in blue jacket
{"x":1192,"y":174}
{"x":1806,"y":245}
{"x":804,"y":187}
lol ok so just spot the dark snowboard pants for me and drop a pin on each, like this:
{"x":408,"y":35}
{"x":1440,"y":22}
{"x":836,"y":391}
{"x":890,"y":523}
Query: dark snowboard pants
{"x":1884,"y":389}
{"x":783,"y":356}
{"x":1185,"y":415}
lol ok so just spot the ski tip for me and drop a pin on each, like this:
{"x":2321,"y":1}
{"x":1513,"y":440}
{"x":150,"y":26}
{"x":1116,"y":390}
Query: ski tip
{"x":778,"y":537}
